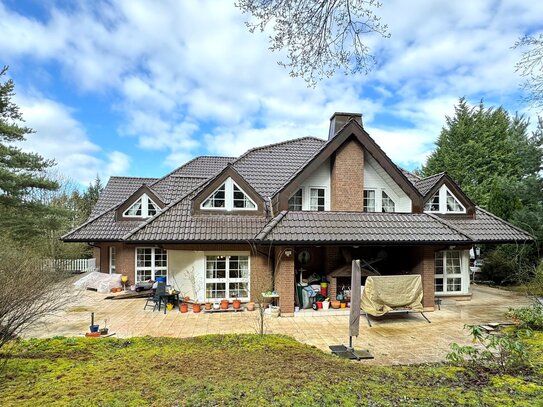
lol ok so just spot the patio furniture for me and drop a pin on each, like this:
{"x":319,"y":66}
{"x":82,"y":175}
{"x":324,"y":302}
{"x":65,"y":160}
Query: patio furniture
{"x":168,"y":297}
{"x":155,"y":296}
{"x":392,"y":294}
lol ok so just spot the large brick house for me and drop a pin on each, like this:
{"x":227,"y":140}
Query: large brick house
{"x":219,"y":227}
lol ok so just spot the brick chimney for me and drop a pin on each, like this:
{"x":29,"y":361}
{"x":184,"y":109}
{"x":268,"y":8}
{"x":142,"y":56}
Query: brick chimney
{"x":338,"y":120}
{"x":347,"y":168}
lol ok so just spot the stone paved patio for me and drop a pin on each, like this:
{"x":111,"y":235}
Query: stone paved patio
{"x":399,"y":339}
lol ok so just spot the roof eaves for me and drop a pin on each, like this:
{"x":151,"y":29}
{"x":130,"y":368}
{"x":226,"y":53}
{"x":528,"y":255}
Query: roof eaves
{"x":507,"y":223}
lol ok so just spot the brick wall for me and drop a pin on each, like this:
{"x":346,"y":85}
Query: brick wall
{"x":284,"y":280}
{"x":425,"y":266}
{"x":347,"y":178}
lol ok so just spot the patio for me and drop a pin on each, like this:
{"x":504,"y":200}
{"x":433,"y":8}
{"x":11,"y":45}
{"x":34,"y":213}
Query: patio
{"x":398,"y":340}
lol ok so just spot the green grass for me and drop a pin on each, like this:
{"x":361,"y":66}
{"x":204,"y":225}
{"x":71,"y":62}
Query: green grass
{"x":240,"y":370}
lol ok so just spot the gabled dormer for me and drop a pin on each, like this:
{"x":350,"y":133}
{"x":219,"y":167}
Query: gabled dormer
{"x":228,"y":193}
{"x":142,"y":204}
{"x":446,"y":198}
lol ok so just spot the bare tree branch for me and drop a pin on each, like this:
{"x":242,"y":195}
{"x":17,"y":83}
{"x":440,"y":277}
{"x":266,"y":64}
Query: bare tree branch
{"x":530,"y":68}
{"x":320,"y":37}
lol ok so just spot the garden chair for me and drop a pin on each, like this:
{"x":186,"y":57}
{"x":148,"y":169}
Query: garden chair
{"x":156,"y":296}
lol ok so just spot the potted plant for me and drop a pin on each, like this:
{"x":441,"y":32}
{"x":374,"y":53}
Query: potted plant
{"x":196,"y":307}
{"x":184,"y":307}
{"x":104,"y":330}
{"x":224,"y":304}
{"x":207,"y":306}
{"x":236,"y":303}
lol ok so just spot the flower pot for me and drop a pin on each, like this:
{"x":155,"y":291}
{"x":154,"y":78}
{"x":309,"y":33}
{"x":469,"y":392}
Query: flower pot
{"x":183,"y":307}
{"x":236,"y":304}
{"x":104,"y":331}
{"x":94,"y":328}
{"x":208,"y":306}
{"x":274,"y":311}
{"x":325,"y":305}
{"x":250,"y":306}
{"x":335,"y":304}
{"x":169,"y":306}
{"x":196,"y":308}
{"x":216,"y":305}
{"x":224,"y":304}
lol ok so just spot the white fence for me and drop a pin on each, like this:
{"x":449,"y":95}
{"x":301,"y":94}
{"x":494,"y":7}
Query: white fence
{"x":74,"y":265}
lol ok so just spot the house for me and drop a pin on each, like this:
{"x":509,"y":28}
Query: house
{"x":219,"y":227}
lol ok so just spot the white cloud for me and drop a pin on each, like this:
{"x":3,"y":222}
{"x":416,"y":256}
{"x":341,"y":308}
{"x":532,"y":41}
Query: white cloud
{"x":60,"y":137}
{"x":188,"y":75}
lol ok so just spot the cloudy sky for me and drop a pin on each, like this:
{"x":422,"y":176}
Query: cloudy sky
{"x":134,"y":87}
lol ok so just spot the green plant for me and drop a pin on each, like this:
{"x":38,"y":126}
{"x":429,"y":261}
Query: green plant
{"x":504,"y":352}
{"x":530,"y":317}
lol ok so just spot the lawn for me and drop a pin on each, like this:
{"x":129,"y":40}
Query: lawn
{"x":240,"y":370}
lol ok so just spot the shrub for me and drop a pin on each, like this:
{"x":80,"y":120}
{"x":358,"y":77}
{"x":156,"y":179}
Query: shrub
{"x":504,"y":353}
{"x":530,"y":317}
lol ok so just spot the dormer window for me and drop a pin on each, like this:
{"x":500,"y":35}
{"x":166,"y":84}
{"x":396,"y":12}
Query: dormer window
{"x":387,"y":204}
{"x":144,"y":207}
{"x":295,"y":201}
{"x":443,"y":201}
{"x":229,"y":196}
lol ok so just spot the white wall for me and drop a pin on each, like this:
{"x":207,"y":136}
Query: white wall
{"x":320,"y":178}
{"x":375,"y":177}
{"x":182,"y":264}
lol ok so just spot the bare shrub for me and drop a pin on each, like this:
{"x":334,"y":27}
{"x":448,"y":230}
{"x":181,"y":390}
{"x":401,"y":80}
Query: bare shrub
{"x":28,"y":292}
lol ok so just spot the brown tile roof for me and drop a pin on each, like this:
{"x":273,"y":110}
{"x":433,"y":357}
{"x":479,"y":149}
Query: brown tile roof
{"x":488,"y":228}
{"x":176,"y":223}
{"x":202,"y":166}
{"x":267,"y":168}
{"x":116,"y":191}
{"x":174,"y":187}
{"x":101,"y":227}
{"x":424,"y":185}
{"x":413,"y":178}
{"x":347,"y":227}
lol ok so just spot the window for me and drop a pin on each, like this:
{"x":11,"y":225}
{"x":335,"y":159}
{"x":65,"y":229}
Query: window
{"x":295,"y":201}
{"x":144,"y":207}
{"x":449,"y":277}
{"x":387,"y":204}
{"x":369,"y":200}
{"x":452,"y":204}
{"x":317,"y":199}
{"x":151,"y":263}
{"x":443,"y":201}
{"x":227,"y":277}
{"x":433,"y":204}
{"x":229,"y":196}
{"x":112,"y":256}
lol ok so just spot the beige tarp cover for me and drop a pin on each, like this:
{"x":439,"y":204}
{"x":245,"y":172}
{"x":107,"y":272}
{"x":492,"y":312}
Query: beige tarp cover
{"x":383,"y":294}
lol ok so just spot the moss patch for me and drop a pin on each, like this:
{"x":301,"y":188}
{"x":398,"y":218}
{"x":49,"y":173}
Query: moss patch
{"x":237,"y":370}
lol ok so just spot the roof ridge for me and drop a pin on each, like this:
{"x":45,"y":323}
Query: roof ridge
{"x":504,"y":221}
{"x":275,"y":145}
{"x":268,"y":227}
{"x":126,"y":176}
{"x":187,"y":163}
{"x":439,"y":174}
{"x":453,"y":227}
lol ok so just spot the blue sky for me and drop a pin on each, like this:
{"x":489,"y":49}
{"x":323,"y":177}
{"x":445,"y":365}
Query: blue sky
{"x":137,"y":88}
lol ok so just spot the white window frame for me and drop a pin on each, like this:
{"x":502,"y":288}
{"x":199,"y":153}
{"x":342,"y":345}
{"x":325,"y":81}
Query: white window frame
{"x":112,"y":259}
{"x":229,"y":198}
{"x":310,"y":207}
{"x":145,"y":199}
{"x":443,"y":201}
{"x":153,"y":268}
{"x":463,"y":256}
{"x":301,"y":191}
{"x":374,"y":190}
{"x":227,"y":280}
{"x":383,"y":192}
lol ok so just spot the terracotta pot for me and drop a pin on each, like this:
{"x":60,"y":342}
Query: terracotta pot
{"x":250,"y":306}
{"x":184,"y":307}
{"x":335,"y":304}
{"x":236,"y":304}
{"x":196,"y":308}
{"x":208,"y":306}
{"x":224,"y":304}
